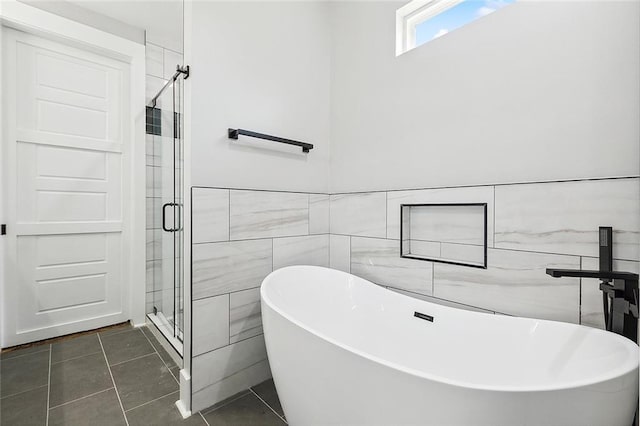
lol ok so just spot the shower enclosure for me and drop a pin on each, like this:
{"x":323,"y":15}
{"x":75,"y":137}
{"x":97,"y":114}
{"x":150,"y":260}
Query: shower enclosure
{"x":165,"y":304}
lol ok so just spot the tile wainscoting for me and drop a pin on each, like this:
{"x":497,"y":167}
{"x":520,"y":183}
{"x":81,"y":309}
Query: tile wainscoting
{"x":240,"y":236}
{"x":531,"y":226}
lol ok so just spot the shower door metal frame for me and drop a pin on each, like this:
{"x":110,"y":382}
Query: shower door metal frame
{"x":177,"y":203}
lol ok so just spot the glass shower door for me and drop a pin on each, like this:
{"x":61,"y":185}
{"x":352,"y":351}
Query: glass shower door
{"x":168,"y":286}
{"x":178,"y":199}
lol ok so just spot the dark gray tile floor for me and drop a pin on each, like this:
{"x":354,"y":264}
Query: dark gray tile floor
{"x":267,"y":392}
{"x":78,"y":377}
{"x":127,"y":345}
{"x":247,"y":410}
{"x":117,"y":376}
{"x":101,"y":408}
{"x":134,"y":386}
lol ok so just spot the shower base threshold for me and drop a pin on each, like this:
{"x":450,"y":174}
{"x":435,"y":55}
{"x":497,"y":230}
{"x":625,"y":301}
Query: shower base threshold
{"x":173,"y":344}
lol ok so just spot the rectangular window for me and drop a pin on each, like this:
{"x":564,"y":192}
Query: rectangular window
{"x":421,"y":21}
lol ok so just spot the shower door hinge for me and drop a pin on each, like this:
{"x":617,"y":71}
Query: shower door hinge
{"x":184,"y":70}
{"x":3,"y":229}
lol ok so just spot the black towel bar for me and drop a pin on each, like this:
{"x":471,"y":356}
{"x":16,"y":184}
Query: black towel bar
{"x":234,"y":133}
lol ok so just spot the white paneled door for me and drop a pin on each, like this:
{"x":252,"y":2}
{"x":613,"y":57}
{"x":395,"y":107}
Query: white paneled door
{"x":65,"y":140}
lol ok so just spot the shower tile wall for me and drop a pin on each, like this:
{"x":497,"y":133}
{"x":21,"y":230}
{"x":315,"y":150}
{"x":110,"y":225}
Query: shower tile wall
{"x":159,"y":67}
{"x":530,"y":227}
{"x":239,"y":237}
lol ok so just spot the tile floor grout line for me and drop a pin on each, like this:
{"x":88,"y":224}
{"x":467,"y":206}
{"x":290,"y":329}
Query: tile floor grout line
{"x":116,"y":331}
{"x":152,"y":345}
{"x":270,"y":408}
{"x":81,"y":398}
{"x":21,"y":392}
{"x":104,"y":354}
{"x":153,"y":400}
{"x":55,"y":340}
{"x":3,"y":359}
{"x":75,"y":357}
{"x":203,"y":418}
{"x":161,"y":359}
{"x":226,"y":402}
{"x":132,"y":359}
{"x":49,"y":385}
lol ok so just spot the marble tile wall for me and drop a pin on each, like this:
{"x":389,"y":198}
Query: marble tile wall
{"x":564,"y":217}
{"x":340,"y":252}
{"x":238,"y":238}
{"x":261,"y":214}
{"x":514,"y":283}
{"x":378,"y":260}
{"x":477,"y":194}
{"x":212,"y":310}
{"x":245,"y":315}
{"x":362,"y":214}
{"x":219,"y":374}
{"x":457,"y":225}
{"x":318,"y":214}
{"x":211,"y":220}
{"x":158,"y":71}
{"x":448,"y":233}
{"x":223,"y":267}
{"x":308,"y":250}
{"x":530,"y":227}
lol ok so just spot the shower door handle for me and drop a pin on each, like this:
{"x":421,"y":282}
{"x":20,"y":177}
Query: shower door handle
{"x":179,"y":206}
{"x":164,"y":215}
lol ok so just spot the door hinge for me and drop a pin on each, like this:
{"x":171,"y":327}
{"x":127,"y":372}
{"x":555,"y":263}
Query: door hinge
{"x":3,"y":229}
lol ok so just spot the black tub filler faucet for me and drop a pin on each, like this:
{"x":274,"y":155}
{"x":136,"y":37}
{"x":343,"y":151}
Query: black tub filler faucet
{"x":619,"y":289}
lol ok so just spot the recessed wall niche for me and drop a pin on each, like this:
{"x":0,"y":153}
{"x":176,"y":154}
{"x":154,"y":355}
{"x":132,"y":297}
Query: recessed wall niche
{"x":446,"y":233}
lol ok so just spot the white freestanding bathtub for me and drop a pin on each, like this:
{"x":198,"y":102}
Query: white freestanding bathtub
{"x":344,"y":351}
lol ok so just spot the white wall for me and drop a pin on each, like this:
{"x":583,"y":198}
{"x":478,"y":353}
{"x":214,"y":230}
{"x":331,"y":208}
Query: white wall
{"x":156,"y":21}
{"x":261,"y":67}
{"x":536,"y":91}
{"x":83,"y":12}
{"x":161,"y":19}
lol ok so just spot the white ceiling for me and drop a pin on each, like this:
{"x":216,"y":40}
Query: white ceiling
{"x":162,"y":19}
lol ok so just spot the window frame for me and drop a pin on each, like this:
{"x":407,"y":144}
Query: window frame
{"x":413,"y":14}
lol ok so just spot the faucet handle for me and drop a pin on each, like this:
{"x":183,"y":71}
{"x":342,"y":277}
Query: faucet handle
{"x":621,"y":305}
{"x":634,"y":307}
{"x":608,"y":288}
